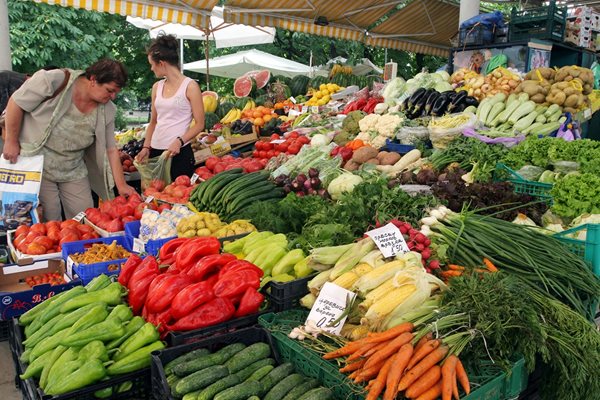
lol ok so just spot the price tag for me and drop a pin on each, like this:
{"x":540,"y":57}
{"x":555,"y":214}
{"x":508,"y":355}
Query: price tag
{"x":314,"y":109}
{"x":329,"y":306}
{"x":138,"y":246}
{"x":293,"y":113}
{"x":70,"y":264}
{"x":194,"y":178}
{"x":79,"y":217}
{"x":389,"y":240}
{"x":304,"y":109}
{"x":293,"y":99}
{"x":149,"y":199}
{"x":278,"y":141}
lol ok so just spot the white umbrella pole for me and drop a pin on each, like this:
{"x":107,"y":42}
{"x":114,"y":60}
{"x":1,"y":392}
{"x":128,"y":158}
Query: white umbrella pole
{"x":181,"y":54}
{"x":206,"y":53}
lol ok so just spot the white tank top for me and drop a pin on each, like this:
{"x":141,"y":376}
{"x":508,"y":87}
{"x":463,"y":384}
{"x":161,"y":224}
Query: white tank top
{"x":174,"y":115}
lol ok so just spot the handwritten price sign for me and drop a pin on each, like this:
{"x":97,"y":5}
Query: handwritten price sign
{"x":389,"y":240}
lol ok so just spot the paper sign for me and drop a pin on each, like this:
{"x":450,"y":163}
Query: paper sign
{"x":304,"y":109}
{"x":328,"y":307}
{"x":314,"y":109}
{"x":278,"y":141}
{"x":587,"y":113}
{"x":79,"y":217}
{"x":293,"y":113}
{"x":70,"y":264}
{"x":389,"y":240}
{"x":194,"y":178}
{"x":293,"y":99}
{"x":149,"y":199}
{"x":138,"y":246}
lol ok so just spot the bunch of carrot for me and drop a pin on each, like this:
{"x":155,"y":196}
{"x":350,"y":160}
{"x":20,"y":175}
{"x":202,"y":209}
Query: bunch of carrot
{"x":392,"y":363}
{"x":458,"y":270}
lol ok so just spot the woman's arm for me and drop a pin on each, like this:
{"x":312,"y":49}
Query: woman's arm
{"x":117,"y":171}
{"x":194,"y":95}
{"x":13,"y":121}
{"x":143,"y":154}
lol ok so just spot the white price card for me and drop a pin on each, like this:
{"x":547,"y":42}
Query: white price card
{"x":278,"y":141}
{"x":314,"y":109}
{"x":149,"y":199}
{"x":389,"y":240}
{"x":587,"y":113}
{"x":79,"y":217}
{"x":329,"y":306}
{"x":304,"y":109}
{"x":70,"y":264}
{"x":293,"y":113}
{"x":194,"y":178}
{"x":138,"y":246}
{"x":293,"y":99}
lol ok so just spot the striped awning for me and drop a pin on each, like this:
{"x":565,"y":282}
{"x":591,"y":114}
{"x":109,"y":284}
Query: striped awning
{"x":185,"y":12}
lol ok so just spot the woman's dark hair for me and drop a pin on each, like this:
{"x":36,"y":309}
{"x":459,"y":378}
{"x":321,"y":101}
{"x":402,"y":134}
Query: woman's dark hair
{"x":106,"y":71}
{"x":164,"y":48}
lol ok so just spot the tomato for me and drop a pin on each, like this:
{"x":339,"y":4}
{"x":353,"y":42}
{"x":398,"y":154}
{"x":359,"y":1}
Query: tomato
{"x":270,"y":153}
{"x":19,"y":239}
{"x":55,"y":224}
{"x":294,"y":149}
{"x":119,"y":200}
{"x":35,"y":249}
{"x":73,"y":223}
{"x":220,"y":167}
{"x":254,"y":166}
{"x":282,"y":147}
{"x":44,"y":241}
{"x":69,"y":231}
{"x":32,"y":235}
{"x":258,"y":146}
{"x":268,"y":146}
{"x":183,"y":180}
{"x":82,"y":228}
{"x":304,"y":140}
{"x":276,"y":153}
{"x":255,"y":154}
{"x":69,"y":238}
{"x":293,"y":135}
{"x":211,"y":162}
{"x":275,"y":137}
{"x":262,"y":154}
{"x":21,"y":229}
{"x":115,"y":225}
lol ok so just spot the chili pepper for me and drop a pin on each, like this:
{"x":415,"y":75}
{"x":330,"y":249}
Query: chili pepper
{"x":122,"y":312}
{"x":94,"y":315}
{"x":54,"y":309}
{"x":94,"y":349}
{"x":107,"y":330}
{"x":208,"y":265}
{"x":54,"y":356}
{"x":146,"y":335}
{"x":29,"y":316}
{"x":163,"y":319}
{"x":346,"y":153}
{"x":110,"y":295}
{"x":160,"y":299}
{"x":250,"y":303}
{"x":192,"y":251}
{"x":214,"y":312}
{"x":147,"y":267}
{"x":137,"y":360}
{"x":138,"y":291}
{"x":64,"y":364}
{"x":191,"y":297}
{"x":236,"y":282}
{"x":132,"y":327}
{"x":129,"y":268}
{"x":37,"y":366}
{"x":168,"y":249}
{"x":212,"y":279}
{"x":99,"y":282}
{"x":88,"y":373}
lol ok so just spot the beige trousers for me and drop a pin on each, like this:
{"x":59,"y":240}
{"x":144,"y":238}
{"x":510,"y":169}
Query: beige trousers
{"x":75,"y":196}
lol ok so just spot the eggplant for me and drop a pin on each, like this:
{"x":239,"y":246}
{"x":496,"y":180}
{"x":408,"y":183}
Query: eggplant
{"x":404,"y":105}
{"x":460,"y":98}
{"x":416,"y":96}
{"x":430,"y":100}
{"x":419,"y":105}
{"x":471,"y":101}
{"x":440,"y":105}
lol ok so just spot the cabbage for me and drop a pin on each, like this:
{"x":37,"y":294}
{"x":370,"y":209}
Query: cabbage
{"x":393,"y":89}
{"x":445,"y":75}
{"x":443,"y":86}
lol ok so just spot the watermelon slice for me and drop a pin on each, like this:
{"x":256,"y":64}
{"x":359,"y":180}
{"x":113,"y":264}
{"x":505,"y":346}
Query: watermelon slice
{"x":244,"y":86}
{"x":260,"y":76}
{"x":209,"y":93}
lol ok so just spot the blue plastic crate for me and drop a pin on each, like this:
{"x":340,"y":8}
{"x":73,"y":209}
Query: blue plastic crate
{"x":397,"y":147}
{"x":132,"y":231}
{"x":87,"y":272}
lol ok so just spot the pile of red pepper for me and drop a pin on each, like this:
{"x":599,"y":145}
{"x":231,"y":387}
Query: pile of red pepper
{"x":201,"y":287}
{"x":366,"y":105}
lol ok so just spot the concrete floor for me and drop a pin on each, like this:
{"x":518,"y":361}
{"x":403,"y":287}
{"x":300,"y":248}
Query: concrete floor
{"x":8,"y":391}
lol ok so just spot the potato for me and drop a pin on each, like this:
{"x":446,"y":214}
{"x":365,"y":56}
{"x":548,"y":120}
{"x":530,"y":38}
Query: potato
{"x":351,"y":165}
{"x":390,"y":158}
{"x":364,"y":153}
{"x":538,"y":98}
{"x":571,"y":100}
{"x":556,"y":97}
{"x":381,"y":154}
{"x":373,"y":161}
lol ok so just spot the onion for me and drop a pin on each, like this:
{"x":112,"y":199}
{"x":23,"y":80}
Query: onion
{"x":307,"y":184}
{"x":287,"y":188}
{"x":301,"y":178}
{"x":312,"y":191}
{"x":315,"y":183}
{"x":313,"y":173}
{"x":296,"y":186}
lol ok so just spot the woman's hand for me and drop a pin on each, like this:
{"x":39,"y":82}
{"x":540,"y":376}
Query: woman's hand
{"x":174,"y":148}
{"x":142,"y":155}
{"x":11,"y":151}
{"x":126,"y":190}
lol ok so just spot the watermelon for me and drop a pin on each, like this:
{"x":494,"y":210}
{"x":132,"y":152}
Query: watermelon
{"x":209,"y":93}
{"x":210,"y":119}
{"x":223,"y":109}
{"x":260,"y":76}
{"x":241,"y":102}
{"x":281,"y":78}
{"x":244,"y":86}
{"x":318,"y":81}
{"x":299,"y":85}
{"x":260,"y":100}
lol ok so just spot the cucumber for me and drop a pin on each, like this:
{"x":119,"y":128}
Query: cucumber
{"x":191,"y":395}
{"x":284,"y":386}
{"x":186,"y":357}
{"x":272,"y":193}
{"x":200,"y":379}
{"x":249,"y":194}
{"x":247,"y":356}
{"x":255,"y":366}
{"x":202,"y":362}
{"x":301,"y":389}
{"x":253,"y":398}
{"x":276,"y":375}
{"x":224,"y":383}
{"x":214,"y":189}
{"x":249,"y":180}
{"x":210,"y":183}
{"x":240,"y":392}
{"x":172,"y":380}
{"x":260,"y":373}
{"x":320,"y":393}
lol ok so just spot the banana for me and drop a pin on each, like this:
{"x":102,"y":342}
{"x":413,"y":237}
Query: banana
{"x":247,"y":106}
{"x":229,"y":117}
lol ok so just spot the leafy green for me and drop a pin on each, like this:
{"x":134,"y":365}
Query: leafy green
{"x":322,"y":235}
{"x":576,"y":194}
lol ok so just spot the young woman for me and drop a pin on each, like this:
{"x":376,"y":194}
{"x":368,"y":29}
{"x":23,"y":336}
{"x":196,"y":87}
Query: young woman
{"x":176,"y":100}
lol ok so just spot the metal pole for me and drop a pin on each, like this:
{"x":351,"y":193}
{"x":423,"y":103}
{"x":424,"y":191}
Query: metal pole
{"x":181,"y":54}
{"x":468,"y":9}
{"x":5,"y":58}
{"x":206,"y":55}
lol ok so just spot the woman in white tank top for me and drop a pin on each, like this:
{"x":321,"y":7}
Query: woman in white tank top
{"x":176,"y":100}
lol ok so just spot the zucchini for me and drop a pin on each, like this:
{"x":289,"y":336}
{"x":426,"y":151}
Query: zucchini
{"x":255,"y":366}
{"x":276,"y":375}
{"x":200,"y":379}
{"x":260,"y":373}
{"x":301,"y":389}
{"x":523,"y":110}
{"x":224,"y":383}
{"x":525,"y":122}
{"x":493,"y":113}
{"x":206,"y":361}
{"x":282,"y":388}
{"x":247,"y":356}
{"x":186,"y":357}
{"x":240,"y":392}
{"x":320,"y":393}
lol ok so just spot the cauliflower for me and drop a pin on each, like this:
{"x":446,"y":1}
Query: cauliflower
{"x":387,"y":125}
{"x":364,"y":136}
{"x":379,"y":141}
{"x":343,"y":183}
{"x":350,"y":123}
{"x":369,"y":122}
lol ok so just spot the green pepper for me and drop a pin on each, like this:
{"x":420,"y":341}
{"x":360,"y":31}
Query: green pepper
{"x":94,"y":349}
{"x":55,"y":354}
{"x":122,"y":312}
{"x":107,"y":330}
{"x":64,"y":365}
{"x":90,"y":372}
{"x":94,"y":315}
{"x":55,"y":308}
{"x":125,"y":387}
{"x":134,"y":325}
{"x":42,"y":332}
{"x":48,"y":344}
{"x":98,"y":283}
{"x":111,"y":295}
{"x":33,"y":327}
{"x":36,"y":367}
{"x":103,"y":393}
{"x":137,"y":360}
{"x":28,"y":317}
{"x":146,"y":335}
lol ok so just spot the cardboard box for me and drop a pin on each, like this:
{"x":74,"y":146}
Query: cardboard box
{"x":216,"y":149}
{"x":235,"y":140}
{"x":17,"y":296}
{"x":23,"y":259}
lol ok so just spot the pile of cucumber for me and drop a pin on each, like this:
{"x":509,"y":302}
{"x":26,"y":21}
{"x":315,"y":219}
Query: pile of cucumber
{"x":239,"y":372}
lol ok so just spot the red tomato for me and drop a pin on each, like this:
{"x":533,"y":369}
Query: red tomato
{"x":304,"y":140}
{"x":294,"y":149}
{"x":270,"y":153}
{"x":258,"y":146}
{"x":293,"y":135}
{"x":32,"y":235}
{"x":21,"y":229}
{"x":282,"y":147}
{"x":54,"y":234}
{"x":44,"y":241}
{"x":262,"y":154}
{"x":35,"y":249}
{"x":19,"y":239}
{"x":71,"y":222}
{"x":268,"y":146}
{"x":211,"y":162}
{"x":69,"y":238}
{"x":183,"y":180}
{"x":69,"y":231}
{"x":275,"y":137}
{"x":39,"y":227}
{"x":220,"y":167}
{"x":276,"y":153}
{"x":255,"y":154}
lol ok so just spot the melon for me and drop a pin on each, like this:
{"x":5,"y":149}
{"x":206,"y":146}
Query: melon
{"x":210,"y":119}
{"x":244,"y":86}
{"x":209,"y":93}
{"x":260,"y":76}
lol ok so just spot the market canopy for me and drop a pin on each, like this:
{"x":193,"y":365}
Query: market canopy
{"x":235,"y":65}
{"x":362,"y":67}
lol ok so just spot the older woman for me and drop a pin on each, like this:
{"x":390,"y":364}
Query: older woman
{"x":68,"y":116}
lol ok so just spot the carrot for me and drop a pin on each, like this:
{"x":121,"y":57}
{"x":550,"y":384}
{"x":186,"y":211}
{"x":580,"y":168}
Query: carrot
{"x":451,"y":273}
{"x":423,"y":340}
{"x":463,"y":378}
{"x":424,"y":383}
{"x":455,"y":388}
{"x":456,"y":267}
{"x":481,"y":271}
{"x":354,"y":374}
{"x":344,"y":351}
{"x":433,"y":393}
{"x":390,"y":333}
{"x":448,"y":376}
{"x":360,"y":352}
{"x":423,"y":351}
{"x":399,"y":363}
{"x":353,"y":366}
{"x":378,"y":347}
{"x":367,"y":373}
{"x":489,"y":265}
{"x":389,"y":349}
{"x":377,"y":387}
{"x":414,"y":373}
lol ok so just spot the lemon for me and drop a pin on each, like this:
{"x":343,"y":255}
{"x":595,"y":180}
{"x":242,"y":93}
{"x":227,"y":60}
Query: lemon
{"x":321,"y":102}
{"x":331,"y":87}
{"x":317,"y":95}
{"x":322,"y":86}
{"x":326,"y":99}
{"x":325,"y":92}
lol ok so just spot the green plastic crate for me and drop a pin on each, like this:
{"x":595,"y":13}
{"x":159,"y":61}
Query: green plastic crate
{"x":488,"y":382}
{"x":522,"y":185}
{"x":547,"y":22}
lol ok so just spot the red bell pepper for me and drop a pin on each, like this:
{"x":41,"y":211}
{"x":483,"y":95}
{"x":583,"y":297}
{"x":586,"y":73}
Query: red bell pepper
{"x":129,"y":268}
{"x":238,"y":265}
{"x":138,"y":290}
{"x":167,"y":251}
{"x":189,"y":253}
{"x":162,"y":295}
{"x":147,"y":267}
{"x":214,"y":312}
{"x":236,"y":282}
{"x":250,"y":303}
{"x":190,"y":298}
{"x":208,"y":265}
{"x":345,"y":152}
{"x":212,"y":279}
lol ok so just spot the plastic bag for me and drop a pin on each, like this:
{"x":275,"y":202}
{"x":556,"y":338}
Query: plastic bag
{"x":441,"y":136}
{"x":157,"y":169}
{"x":564,"y":167}
{"x":531,"y":172}
{"x":489,"y":20}
{"x":596,"y":70}
{"x":19,"y":189}
{"x":506,"y":141}
{"x":411,"y":135}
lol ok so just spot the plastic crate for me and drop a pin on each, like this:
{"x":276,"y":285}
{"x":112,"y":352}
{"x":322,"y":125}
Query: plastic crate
{"x":397,"y":147}
{"x":140,"y":380}
{"x":488,"y":382}
{"x":548,"y":22}
{"x":475,"y":36}
{"x":132,"y":231}
{"x":248,"y":336}
{"x":286,"y":295}
{"x":522,"y":185}
{"x":87,"y":272}
{"x":3,"y":331}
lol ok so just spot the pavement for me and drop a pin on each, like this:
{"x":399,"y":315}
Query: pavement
{"x":8,"y":391}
